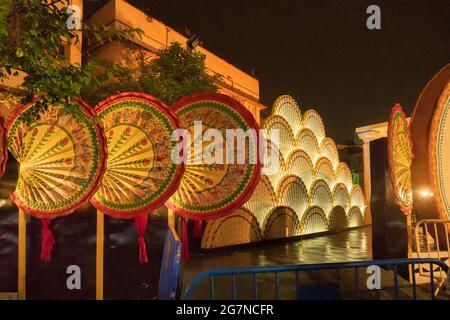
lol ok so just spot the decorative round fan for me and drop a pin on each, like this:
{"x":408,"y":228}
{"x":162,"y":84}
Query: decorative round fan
{"x":140,"y":174}
{"x":213,"y":188}
{"x":400,"y":157}
{"x":3,"y":148}
{"x":439,"y":150}
{"x":61,"y":156}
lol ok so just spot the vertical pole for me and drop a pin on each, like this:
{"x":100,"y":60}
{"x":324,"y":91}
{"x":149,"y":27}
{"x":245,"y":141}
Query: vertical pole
{"x":22,"y":255}
{"x":171,"y":219}
{"x":99,"y":256}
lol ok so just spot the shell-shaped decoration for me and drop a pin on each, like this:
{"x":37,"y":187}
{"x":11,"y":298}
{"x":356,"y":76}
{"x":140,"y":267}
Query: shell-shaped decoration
{"x":277,"y":130}
{"x":338,"y":218}
{"x":341,"y":196}
{"x":285,"y":106}
{"x":329,"y":150}
{"x":300,"y":164}
{"x":313,"y":121}
{"x":281,"y":222}
{"x":307,"y":141}
{"x":324,"y":170}
{"x":320,"y":196}
{"x":238,"y":227}
{"x":293,"y":193}
{"x":355,"y":217}
{"x":262,"y":200}
{"x":357,"y":197}
{"x":344,"y":175}
{"x":313,"y":221}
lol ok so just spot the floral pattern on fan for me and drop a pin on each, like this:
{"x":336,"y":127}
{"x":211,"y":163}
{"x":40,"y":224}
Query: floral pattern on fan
{"x":400,"y":157}
{"x":211,"y":190}
{"x":140,"y":174}
{"x":61,"y":158}
{"x":3,"y":147}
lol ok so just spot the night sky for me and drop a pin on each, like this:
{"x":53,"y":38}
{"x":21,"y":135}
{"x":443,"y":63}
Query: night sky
{"x":320,"y":51}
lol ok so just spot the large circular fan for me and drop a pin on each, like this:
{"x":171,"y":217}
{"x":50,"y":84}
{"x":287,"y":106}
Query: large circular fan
{"x":61,"y":156}
{"x":439,"y":149}
{"x":3,"y":147}
{"x":400,"y":158}
{"x":140,"y":174}
{"x":213,"y":189}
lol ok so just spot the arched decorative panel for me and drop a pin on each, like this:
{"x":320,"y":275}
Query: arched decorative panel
{"x":238,"y":227}
{"x":344,"y":175}
{"x":263,"y":200}
{"x":341,"y":196}
{"x":320,"y":196}
{"x":285,"y":106}
{"x":293,"y":193}
{"x":329,"y":150}
{"x":307,"y":141}
{"x":274,"y":165}
{"x":357,"y":197}
{"x":324,"y":170}
{"x":313,"y":121}
{"x":300,"y":164}
{"x":280,"y":223}
{"x":338,"y":218}
{"x":277,"y":130}
{"x":313,"y":221}
{"x":355,"y":217}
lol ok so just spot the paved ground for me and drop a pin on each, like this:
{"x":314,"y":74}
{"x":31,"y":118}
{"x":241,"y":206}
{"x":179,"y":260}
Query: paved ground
{"x":354,"y":245}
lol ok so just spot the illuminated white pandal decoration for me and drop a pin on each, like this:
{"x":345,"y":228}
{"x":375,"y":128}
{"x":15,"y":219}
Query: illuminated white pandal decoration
{"x":263,"y":200}
{"x":329,"y":150}
{"x":357,"y":197}
{"x":285,"y":106}
{"x":277,"y":130}
{"x":309,"y":191}
{"x":293,"y":193}
{"x":281,"y":222}
{"x":344,"y":175}
{"x":320,"y":196}
{"x":341,"y":196}
{"x":314,"y":220}
{"x":300,"y":165}
{"x":338,"y":218}
{"x":274,"y":166}
{"x":324,"y":170}
{"x":313,"y":121}
{"x":355,"y":217}
{"x":307,"y":141}
{"x":239,"y":227}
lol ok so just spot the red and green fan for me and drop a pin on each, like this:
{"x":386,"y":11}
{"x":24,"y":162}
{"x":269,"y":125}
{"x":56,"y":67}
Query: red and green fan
{"x":221,"y":172}
{"x":3,"y":147}
{"x":61,"y":157}
{"x":400,"y":157}
{"x":140,"y":175}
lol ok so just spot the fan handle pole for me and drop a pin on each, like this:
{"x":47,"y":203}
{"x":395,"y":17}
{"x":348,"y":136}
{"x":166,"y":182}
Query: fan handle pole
{"x":22,"y":255}
{"x":99,"y":258}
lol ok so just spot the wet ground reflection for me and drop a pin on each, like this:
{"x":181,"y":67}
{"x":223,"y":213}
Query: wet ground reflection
{"x":353,"y":245}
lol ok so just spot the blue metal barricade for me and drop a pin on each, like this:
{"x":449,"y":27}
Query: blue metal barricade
{"x":318,"y":289}
{"x":170,"y":266}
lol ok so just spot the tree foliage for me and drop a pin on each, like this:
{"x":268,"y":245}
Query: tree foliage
{"x":175,"y":73}
{"x":33,"y":34}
